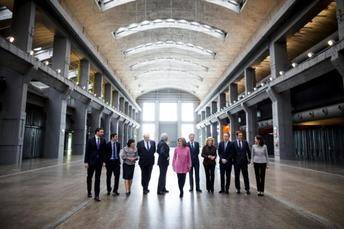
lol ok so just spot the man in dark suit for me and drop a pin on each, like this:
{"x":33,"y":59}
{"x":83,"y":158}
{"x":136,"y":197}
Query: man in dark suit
{"x":226,"y":161}
{"x":113,"y":164}
{"x":242,"y":157}
{"x":164,"y":158}
{"x":194,"y":151}
{"x":94,"y":160}
{"x":146,"y":149}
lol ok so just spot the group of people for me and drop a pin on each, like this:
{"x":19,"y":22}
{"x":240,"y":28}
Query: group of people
{"x":236,"y":153}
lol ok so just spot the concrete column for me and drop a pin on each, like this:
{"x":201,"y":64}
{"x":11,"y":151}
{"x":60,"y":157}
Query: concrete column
{"x":12,"y":117}
{"x":221,"y":101}
{"x":61,"y":54}
{"x":98,"y":84}
{"x":56,"y":124}
{"x":340,"y":18}
{"x":95,"y":120}
{"x":202,"y":115}
{"x":107,"y":127}
{"x":233,"y":92}
{"x":126,"y":108}
{"x":282,"y":124}
{"x":121,"y":132}
{"x":233,"y":125}
{"x":80,"y":129}
{"x":278,"y":57}
{"x":121,"y":104}
{"x":84,"y":73}
{"x":251,"y":123}
{"x":114,"y":125}
{"x":115,"y":99}
{"x":108,"y":93}
{"x":204,"y":135}
{"x":125,"y":133}
{"x":213,"y":107}
{"x":338,"y":62}
{"x":207,"y":114}
{"x":23,"y":24}
{"x":250,"y":79}
{"x":130,"y":111}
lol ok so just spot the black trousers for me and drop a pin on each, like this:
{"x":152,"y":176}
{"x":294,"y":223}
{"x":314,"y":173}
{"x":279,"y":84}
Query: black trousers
{"x":97,"y":169}
{"x":195,"y":166}
{"x":162,"y":178}
{"x":181,"y":181}
{"x":209,"y":176}
{"x":146,"y":172}
{"x":112,"y":167}
{"x":225,"y":174}
{"x":259,"y":170}
{"x":243,"y":168}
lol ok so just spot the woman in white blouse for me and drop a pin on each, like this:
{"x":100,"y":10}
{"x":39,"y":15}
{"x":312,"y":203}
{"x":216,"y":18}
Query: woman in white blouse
{"x":260,"y":161}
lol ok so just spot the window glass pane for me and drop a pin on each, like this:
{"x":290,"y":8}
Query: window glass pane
{"x":148,"y":112}
{"x":187,"y":112}
{"x":168,"y":112}
{"x":186,"y":130}
{"x":149,"y":128}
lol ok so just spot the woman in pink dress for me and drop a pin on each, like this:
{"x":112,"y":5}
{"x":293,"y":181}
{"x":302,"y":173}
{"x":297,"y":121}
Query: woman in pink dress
{"x":181,"y":163}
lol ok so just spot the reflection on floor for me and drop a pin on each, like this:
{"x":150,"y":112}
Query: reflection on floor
{"x":56,"y":197}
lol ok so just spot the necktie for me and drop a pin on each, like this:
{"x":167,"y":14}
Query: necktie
{"x":240,"y":144}
{"x":192,"y":145}
{"x":97,"y":142}
{"x":115,"y":150}
{"x":225,"y":145}
{"x":147,"y":147}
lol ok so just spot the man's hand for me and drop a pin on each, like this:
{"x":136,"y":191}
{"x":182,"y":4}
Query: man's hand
{"x":104,"y":164}
{"x":224,"y":161}
{"x":86,"y":165}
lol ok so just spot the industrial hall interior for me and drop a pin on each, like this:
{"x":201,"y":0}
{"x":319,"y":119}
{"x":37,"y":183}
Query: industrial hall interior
{"x":172,"y":114}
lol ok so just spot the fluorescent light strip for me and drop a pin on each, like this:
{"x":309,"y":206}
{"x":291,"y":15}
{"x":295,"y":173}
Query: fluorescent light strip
{"x":44,"y":54}
{"x":233,"y":5}
{"x":167,"y":73}
{"x":168,"y":61}
{"x":108,"y":4}
{"x":175,"y":84}
{"x":169,"y":23}
{"x":169,"y":44}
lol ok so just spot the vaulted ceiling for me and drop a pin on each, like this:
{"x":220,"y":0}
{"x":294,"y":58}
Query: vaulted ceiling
{"x":179,"y":44}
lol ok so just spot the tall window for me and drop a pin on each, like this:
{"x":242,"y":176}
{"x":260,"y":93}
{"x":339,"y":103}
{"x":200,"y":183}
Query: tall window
{"x":148,"y":118}
{"x":187,"y":112}
{"x":168,"y":112}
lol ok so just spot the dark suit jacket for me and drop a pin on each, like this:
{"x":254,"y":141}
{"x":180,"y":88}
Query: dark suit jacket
{"x":243,"y":155}
{"x":146,"y":157}
{"x":225,"y":153}
{"x":94,"y":156}
{"x":208,"y":151}
{"x":194,"y":152}
{"x":164,"y":153}
{"x":109,"y":151}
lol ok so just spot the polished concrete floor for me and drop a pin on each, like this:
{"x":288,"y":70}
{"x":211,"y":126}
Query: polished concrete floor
{"x":55,"y":196}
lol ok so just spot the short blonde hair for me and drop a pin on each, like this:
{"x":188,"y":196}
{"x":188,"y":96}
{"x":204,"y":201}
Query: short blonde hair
{"x":209,"y":139}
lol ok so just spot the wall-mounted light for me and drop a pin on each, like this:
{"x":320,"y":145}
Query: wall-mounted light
{"x":46,"y":63}
{"x":281,"y":73}
{"x":310,"y":54}
{"x":10,"y":39}
{"x":259,"y":114}
{"x":58,"y":71}
{"x":331,"y":42}
{"x":294,"y":64}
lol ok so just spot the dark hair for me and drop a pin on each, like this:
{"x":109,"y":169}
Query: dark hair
{"x":260,"y":140}
{"x":113,"y":135}
{"x":97,"y":130}
{"x":183,"y":141}
{"x":237,"y":132}
{"x":130,"y":141}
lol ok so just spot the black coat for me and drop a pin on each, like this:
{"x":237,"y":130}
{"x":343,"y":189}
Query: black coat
{"x":164,"y":153}
{"x":94,"y":156}
{"x":194,"y":152}
{"x":243,"y":155}
{"x":227,"y":153}
{"x":146,"y":157}
{"x":109,"y":151}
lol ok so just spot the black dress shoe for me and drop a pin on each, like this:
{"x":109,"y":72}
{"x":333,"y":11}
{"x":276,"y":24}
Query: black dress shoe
{"x":127,"y":193}
{"x":96,"y":199}
{"x":198,"y":190}
{"x":227,"y":192}
{"x":145,"y":192}
{"x":238,"y":192}
{"x":190,"y":190}
{"x":108,"y":193}
{"x":115,"y":194}
{"x":89,"y":195}
{"x":161,"y":193}
{"x":221,"y":191}
{"x":181,"y":195}
{"x":166,"y":191}
{"x":248,"y":192}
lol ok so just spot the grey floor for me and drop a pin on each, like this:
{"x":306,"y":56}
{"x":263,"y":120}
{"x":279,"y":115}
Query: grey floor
{"x":55,"y":196}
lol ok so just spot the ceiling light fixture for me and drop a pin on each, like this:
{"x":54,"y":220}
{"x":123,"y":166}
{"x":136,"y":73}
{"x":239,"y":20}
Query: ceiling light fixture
{"x":169,"y":23}
{"x":169,"y":44}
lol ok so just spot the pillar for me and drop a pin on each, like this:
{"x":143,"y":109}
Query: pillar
{"x":12,"y":117}
{"x":84,"y":73}
{"x":56,"y":123}
{"x":95,"y":120}
{"x":233,"y":92}
{"x":80,"y":128}
{"x":214,"y":125}
{"x":221,"y":101}
{"x":207,"y":114}
{"x":251,"y":123}
{"x":340,"y":18}
{"x":278,"y":57}
{"x":129,"y":111}
{"x":61,"y":54}
{"x":233,"y":125}
{"x":250,"y":79}
{"x":121,"y":104}
{"x":23,"y":24}
{"x":282,"y":124}
{"x":203,"y":129}
{"x":125,"y":133}
{"x":114,"y":125}
{"x":126,"y":108}
{"x":98,"y":83}
{"x":107,"y":127}
{"x":121,"y":131}
{"x":337,"y":60}
{"x":115,"y":99}
{"x":108,"y":93}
